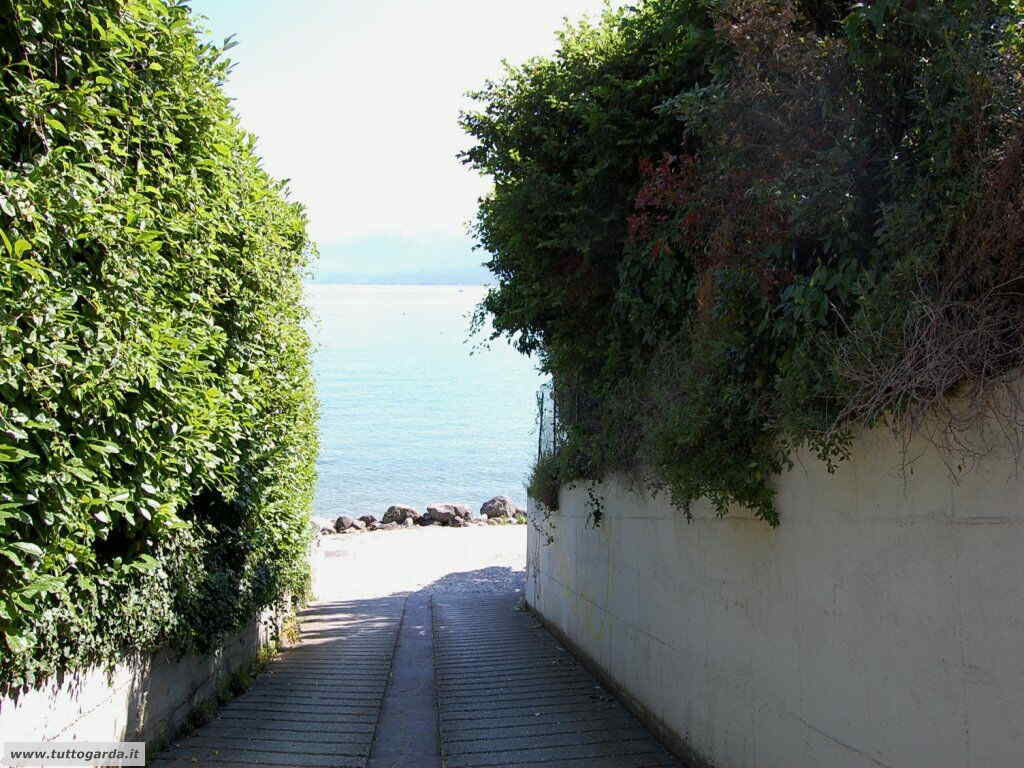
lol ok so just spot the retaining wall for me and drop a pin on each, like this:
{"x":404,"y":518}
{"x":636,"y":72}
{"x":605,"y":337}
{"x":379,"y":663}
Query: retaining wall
{"x":146,"y":698}
{"x":881,"y":626}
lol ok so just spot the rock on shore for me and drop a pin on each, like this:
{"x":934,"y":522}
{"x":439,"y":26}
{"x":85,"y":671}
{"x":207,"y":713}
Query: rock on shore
{"x":499,"y":506}
{"x":447,"y":514}
{"x":498,"y":511}
{"x":399,"y":513}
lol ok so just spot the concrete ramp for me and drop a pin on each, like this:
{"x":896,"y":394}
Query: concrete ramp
{"x":446,"y":673}
{"x":317,"y":706}
{"x":509,"y":695}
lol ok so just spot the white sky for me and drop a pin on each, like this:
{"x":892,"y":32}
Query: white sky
{"x":356,"y":101}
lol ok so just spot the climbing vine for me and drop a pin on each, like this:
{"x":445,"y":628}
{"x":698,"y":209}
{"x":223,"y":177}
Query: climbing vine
{"x":731,"y":228}
{"x":157,"y":415}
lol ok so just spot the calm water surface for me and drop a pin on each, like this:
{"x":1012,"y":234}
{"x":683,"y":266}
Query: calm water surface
{"x":408,"y":414}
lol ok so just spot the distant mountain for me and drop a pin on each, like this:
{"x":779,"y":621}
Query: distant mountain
{"x":382,"y":260}
{"x":468,"y":276}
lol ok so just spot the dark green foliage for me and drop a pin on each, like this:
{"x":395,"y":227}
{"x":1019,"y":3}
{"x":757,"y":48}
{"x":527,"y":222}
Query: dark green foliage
{"x":821,"y":227}
{"x":545,"y":481}
{"x":157,"y":415}
{"x":562,"y":139}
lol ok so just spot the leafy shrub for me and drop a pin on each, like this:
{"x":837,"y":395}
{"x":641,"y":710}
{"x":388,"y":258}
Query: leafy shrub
{"x":562,"y":139}
{"x":821,"y":228}
{"x":157,"y":415}
{"x":545,"y":481}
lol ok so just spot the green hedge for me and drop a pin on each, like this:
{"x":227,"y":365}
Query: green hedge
{"x":157,"y":412}
{"x":731,"y":228}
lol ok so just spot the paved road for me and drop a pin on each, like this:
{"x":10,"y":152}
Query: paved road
{"x":419,"y":655}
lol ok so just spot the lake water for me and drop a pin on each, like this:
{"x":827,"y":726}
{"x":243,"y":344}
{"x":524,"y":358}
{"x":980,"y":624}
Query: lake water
{"x":407,"y":414}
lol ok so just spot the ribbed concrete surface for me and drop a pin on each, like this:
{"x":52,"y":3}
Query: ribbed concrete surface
{"x":509,"y":695}
{"x":365,"y":689}
{"x":316,"y":707}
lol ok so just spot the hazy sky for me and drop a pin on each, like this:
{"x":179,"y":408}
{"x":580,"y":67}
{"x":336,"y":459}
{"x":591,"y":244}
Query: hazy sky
{"x":356,"y":101}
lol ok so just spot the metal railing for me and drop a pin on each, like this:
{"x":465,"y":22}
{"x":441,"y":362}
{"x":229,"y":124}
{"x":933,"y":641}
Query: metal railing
{"x":558,"y":408}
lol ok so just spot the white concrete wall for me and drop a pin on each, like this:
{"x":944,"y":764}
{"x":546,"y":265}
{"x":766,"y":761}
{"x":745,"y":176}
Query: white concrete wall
{"x":881,"y":626}
{"x":140,"y":699}
{"x":145,"y":698}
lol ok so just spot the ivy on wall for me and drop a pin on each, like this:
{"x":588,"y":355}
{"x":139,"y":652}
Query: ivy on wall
{"x":157,"y":411}
{"x":731,"y":228}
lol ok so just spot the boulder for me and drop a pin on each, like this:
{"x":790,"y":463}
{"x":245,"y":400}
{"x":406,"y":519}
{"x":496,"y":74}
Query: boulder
{"x":368,"y":519}
{"x":439,"y":516}
{"x":358,"y":525}
{"x":399,"y":513}
{"x":407,"y":523}
{"x":458,"y":522}
{"x":390,"y":526}
{"x":499,"y":506}
{"x":445,"y":513}
{"x":343,"y":523}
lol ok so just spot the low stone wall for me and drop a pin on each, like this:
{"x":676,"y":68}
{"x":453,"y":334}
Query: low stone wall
{"x":881,"y":626}
{"x":141,"y":699}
